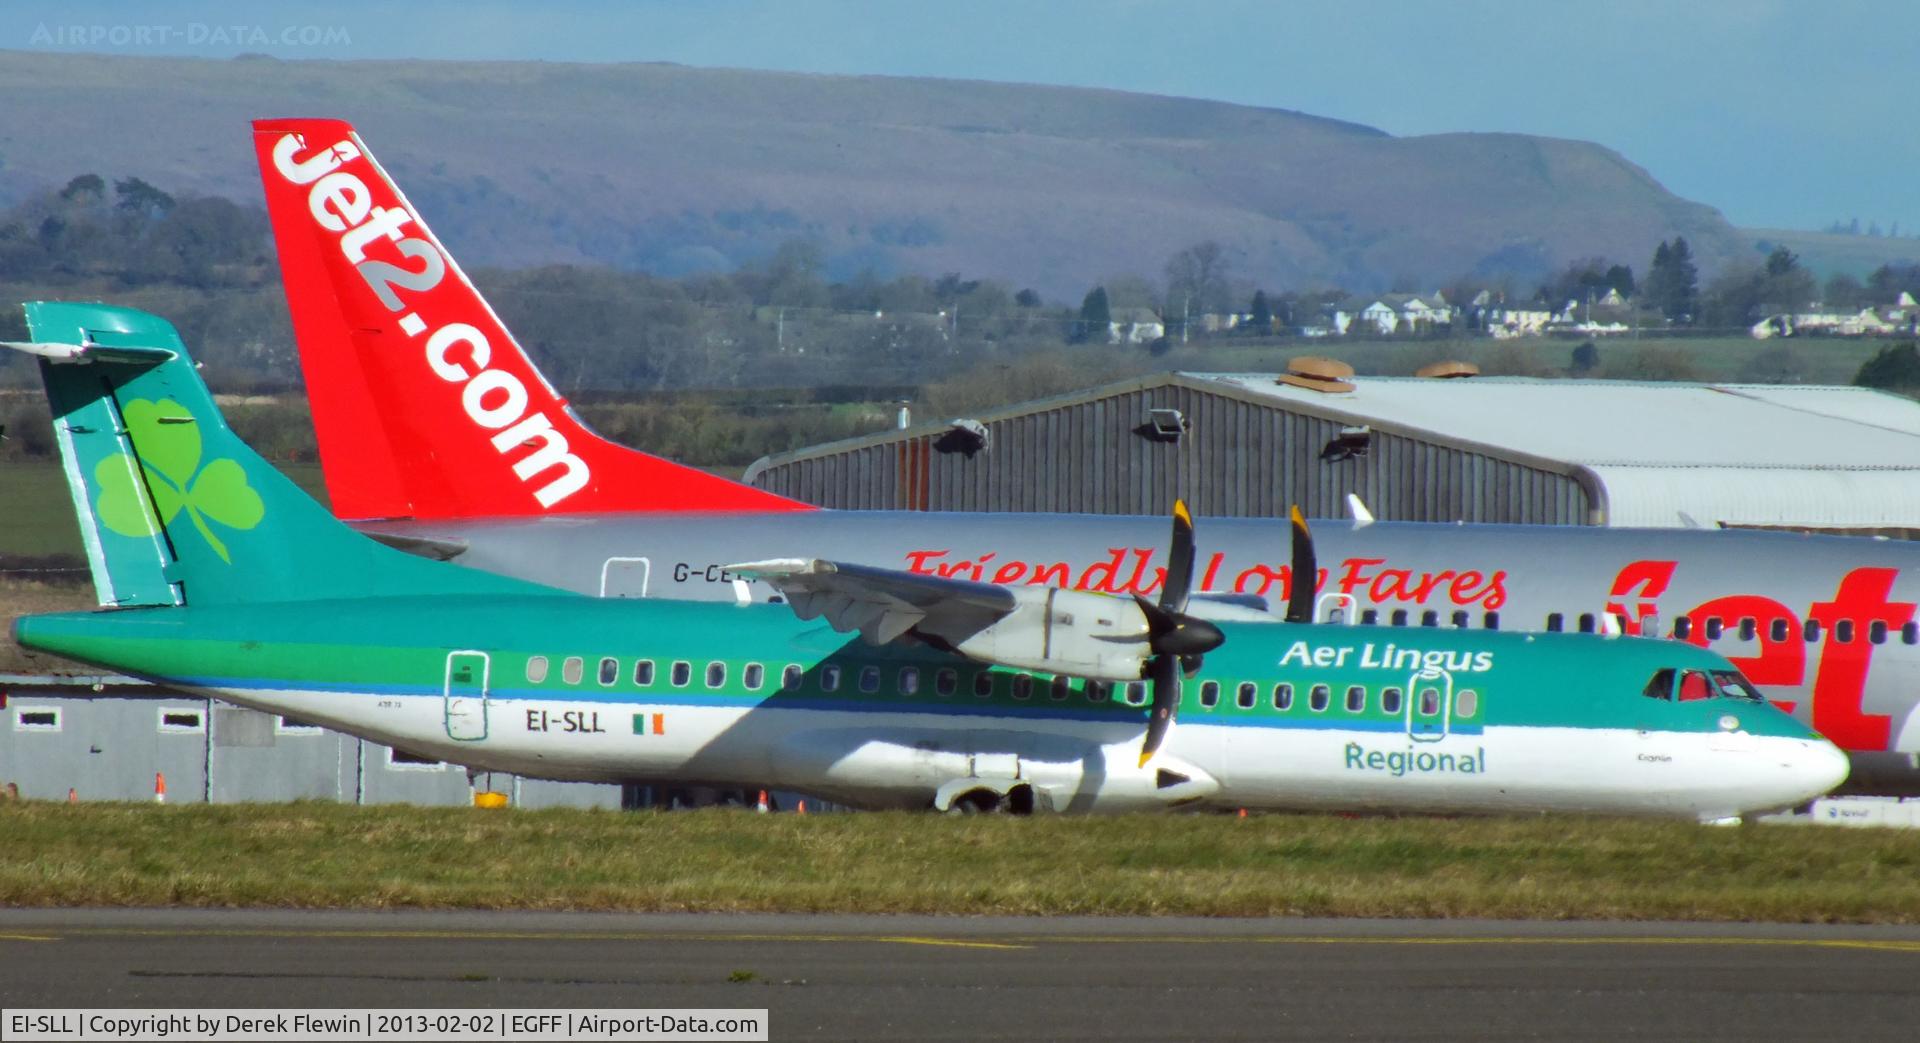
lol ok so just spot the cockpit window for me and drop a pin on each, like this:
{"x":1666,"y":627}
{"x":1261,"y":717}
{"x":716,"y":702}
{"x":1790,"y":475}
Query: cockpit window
{"x":1694,"y":686}
{"x":1733,"y":686}
{"x":1661,"y":687}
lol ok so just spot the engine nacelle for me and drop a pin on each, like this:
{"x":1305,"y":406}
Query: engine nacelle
{"x":1075,"y":632}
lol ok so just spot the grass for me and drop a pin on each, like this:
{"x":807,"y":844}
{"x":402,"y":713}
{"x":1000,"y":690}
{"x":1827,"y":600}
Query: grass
{"x":327,"y":855}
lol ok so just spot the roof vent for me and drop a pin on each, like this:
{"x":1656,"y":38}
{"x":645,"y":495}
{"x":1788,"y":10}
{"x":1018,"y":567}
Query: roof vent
{"x":1448,"y":370}
{"x":964,"y":436}
{"x":1317,"y":374}
{"x":1163,"y":425}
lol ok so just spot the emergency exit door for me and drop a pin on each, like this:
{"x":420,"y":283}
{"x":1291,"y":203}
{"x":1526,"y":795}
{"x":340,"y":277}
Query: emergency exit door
{"x":466,"y":695}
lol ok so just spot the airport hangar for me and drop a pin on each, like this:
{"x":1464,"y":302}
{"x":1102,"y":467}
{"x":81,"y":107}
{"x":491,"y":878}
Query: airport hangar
{"x":1419,"y":449}
{"x":1432,"y":449}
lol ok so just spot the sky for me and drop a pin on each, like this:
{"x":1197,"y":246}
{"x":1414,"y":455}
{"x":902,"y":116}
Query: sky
{"x":1782,"y":113}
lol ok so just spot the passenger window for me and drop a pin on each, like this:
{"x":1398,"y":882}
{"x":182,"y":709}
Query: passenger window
{"x":1778,"y":630}
{"x":1586,"y":622}
{"x":1491,"y":621}
{"x":1210,"y":694}
{"x":1399,"y":617}
{"x":1460,"y":619}
{"x":1660,"y":687}
{"x":1098,"y":691}
{"x":1843,"y":631}
{"x":1683,"y":628}
{"x":983,"y":684}
{"x":1318,"y":698}
{"x":1910,"y":633}
{"x":716,"y":674}
{"x":643,"y":672}
{"x":1022,"y":686}
{"x":1356,"y":699}
{"x":682,"y":673}
{"x":537,"y":669}
{"x":945,"y":681}
{"x":1390,"y":701}
{"x":1465,"y":702}
{"x":1247,"y":693}
{"x":829,"y":676}
{"x":1062,"y":687}
{"x":1810,"y":630}
{"x":1430,"y":618}
{"x":909,"y":680}
{"x":869,"y":679}
{"x":609,"y":670}
{"x":1713,"y":628}
{"x":1748,"y":628}
{"x":1283,"y":697}
{"x":1554,"y":622}
{"x":573,"y":669}
{"x":1694,"y":686}
{"x":1877,"y":632}
{"x":790,"y":677}
{"x":1429,"y":702}
{"x":1137,"y":693}
{"x":1370,"y":617}
{"x":755,"y":676}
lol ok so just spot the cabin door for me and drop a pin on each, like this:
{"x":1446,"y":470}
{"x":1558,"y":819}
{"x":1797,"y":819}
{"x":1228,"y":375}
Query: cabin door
{"x":1429,"y":705}
{"x":466,"y":695}
{"x":625,"y":577}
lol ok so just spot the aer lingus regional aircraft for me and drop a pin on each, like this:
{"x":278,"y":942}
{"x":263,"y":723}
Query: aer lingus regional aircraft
{"x":437,"y":432}
{"x":224,"y":580}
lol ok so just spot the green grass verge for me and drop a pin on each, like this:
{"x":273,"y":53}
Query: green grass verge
{"x":326,"y":855}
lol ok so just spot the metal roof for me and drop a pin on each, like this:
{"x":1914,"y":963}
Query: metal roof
{"x":1664,"y":454}
{"x":1657,"y":455}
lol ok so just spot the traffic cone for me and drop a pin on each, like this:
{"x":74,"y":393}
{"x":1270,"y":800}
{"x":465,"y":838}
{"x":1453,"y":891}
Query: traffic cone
{"x":801,"y":808}
{"x":762,"y":805}
{"x":159,"y":788}
{"x":1243,"y":812}
{"x":73,"y":795}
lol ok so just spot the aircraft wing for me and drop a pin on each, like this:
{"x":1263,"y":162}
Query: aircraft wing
{"x":880,"y":603}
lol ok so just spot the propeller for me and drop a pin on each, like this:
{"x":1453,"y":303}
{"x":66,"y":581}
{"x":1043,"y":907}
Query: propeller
{"x":1304,"y":572}
{"x":1177,"y":639}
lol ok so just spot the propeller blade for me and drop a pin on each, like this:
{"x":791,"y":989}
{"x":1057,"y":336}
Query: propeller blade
{"x":1305,"y":572}
{"x":1165,"y":674}
{"x":1179,"y":581}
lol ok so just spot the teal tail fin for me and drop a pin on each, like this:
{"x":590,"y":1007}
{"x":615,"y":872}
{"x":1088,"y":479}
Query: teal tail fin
{"x":174,"y":508}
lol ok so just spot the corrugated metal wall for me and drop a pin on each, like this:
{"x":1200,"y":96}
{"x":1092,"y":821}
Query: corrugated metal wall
{"x":1238,"y":458}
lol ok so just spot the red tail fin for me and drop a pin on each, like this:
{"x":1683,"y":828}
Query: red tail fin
{"x":424,"y":404}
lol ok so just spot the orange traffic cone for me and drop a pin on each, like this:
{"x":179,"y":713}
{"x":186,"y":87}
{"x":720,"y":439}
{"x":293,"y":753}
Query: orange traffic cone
{"x":800,"y":808}
{"x":159,"y":788}
{"x":1243,"y":812}
{"x":762,"y":806}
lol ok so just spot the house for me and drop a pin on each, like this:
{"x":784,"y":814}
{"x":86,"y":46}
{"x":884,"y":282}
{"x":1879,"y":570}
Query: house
{"x":1135,"y":326}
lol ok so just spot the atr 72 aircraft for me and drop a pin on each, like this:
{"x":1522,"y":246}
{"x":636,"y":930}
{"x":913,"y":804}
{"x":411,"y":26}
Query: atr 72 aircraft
{"x":437,"y":432}
{"x":225,"y":580}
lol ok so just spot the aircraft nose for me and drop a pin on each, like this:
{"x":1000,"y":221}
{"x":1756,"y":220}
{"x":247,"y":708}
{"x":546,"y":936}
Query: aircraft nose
{"x":1820,"y":766}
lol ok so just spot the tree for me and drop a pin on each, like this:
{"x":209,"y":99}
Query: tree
{"x":1095,"y":316}
{"x":86,"y":188}
{"x":138,"y":197}
{"x":1027,"y":299}
{"x":1894,"y":367}
{"x":1620,"y":277}
{"x":1673,"y":282}
{"x":1197,"y":279}
{"x":1262,"y":318}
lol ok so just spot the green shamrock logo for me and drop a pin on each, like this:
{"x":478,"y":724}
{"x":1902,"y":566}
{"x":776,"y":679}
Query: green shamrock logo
{"x":168,"y":440}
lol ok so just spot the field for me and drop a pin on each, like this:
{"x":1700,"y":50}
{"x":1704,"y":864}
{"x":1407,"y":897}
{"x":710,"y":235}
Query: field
{"x":327,"y":855}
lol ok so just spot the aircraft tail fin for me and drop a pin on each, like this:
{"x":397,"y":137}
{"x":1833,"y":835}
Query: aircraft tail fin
{"x":174,"y":508}
{"x":424,"y":404}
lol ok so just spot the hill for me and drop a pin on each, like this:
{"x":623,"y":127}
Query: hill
{"x":673,"y":170}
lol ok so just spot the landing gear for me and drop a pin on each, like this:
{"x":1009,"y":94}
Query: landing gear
{"x":1017,"y":800}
